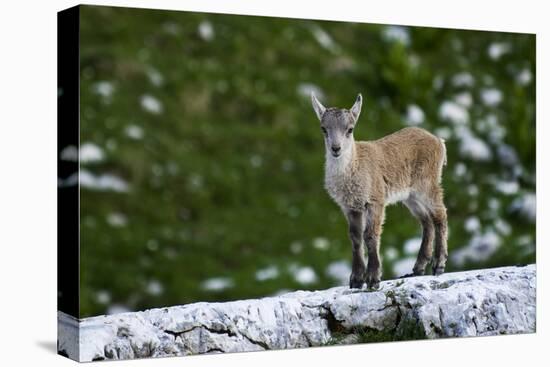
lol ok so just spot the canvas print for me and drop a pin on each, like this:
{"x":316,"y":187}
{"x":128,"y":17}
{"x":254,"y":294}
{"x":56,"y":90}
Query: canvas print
{"x":234,"y":183}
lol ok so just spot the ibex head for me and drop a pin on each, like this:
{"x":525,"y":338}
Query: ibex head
{"x":337,"y":125}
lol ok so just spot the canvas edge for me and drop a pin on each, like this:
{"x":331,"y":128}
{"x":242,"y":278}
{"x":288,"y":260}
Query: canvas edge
{"x":68,"y":236}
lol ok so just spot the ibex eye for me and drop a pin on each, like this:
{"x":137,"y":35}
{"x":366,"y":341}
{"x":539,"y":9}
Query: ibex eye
{"x":350,"y":130}
{"x":324,"y":130}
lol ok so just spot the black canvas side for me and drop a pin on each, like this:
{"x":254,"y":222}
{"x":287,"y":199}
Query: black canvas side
{"x":67,"y":173}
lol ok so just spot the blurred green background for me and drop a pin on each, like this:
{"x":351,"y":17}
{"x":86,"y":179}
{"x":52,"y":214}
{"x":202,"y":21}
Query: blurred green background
{"x":202,"y":160}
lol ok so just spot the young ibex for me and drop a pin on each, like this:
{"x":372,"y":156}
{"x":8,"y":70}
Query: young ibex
{"x":363,"y":177}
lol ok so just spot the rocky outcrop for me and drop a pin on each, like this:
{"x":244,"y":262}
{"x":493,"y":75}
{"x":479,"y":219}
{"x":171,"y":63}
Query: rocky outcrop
{"x":472,"y":303}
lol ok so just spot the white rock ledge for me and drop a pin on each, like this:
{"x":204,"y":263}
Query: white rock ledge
{"x":480,"y":302}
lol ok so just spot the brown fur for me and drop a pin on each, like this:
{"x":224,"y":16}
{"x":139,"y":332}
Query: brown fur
{"x":366,"y":176}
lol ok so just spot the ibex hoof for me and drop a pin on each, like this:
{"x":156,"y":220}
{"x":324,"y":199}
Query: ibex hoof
{"x":438,"y":270}
{"x":373,"y":280}
{"x":356,"y":281}
{"x":373,"y":285}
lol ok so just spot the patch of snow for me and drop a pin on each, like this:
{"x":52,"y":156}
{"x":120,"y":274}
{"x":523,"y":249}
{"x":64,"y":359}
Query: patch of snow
{"x":454,"y":113}
{"x":195,"y":181}
{"x":157,"y":169}
{"x":171,"y":28}
{"x":104,"y":182}
{"x":117,"y":308}
{"x":443,"y":132}
{"x":503,"y":227}
{"x":524,"y":77}
{"x":217,"y":284}
{"x":391,"y":253}
{"x":396,"y":33}
{"x":464,"y":99}
{"x":305,"y":90}
{"x":497,"y":49}
{"x":256,"y":161}
{"x":339,"y":271}
{"x":271,"y":272}
{"x":206,"y":30}
{"x":103,"y":88}
{"x":90,"y":153}
{"x":480,"y":248}
{"x":525,"y":240}
{"x":403,"y":266}
{"x":507,"y":187}
{"x":525,"y":206}
{"x":342,"y":64}
{"x":154,"y":288}
{"x":457,"y":44}
{"x":472,"y":224}
{"x":117,"y":219}
{"x":152,"y":244}
{"x":489,"y":122}
{"x":414,"y":61}
{"x":491,"y":96}
{"x":155,"y":77}
{"x":497,"y":134}
{"x":172,"y":168}
{"x":69,"y":153}
{"x":111,"y":144}
{"x":412,"y":245}
{"x":473,"y":147}
{"x":472,"y":190}
{"x":323,"y":38}
{"x":321,"y":243}
{"x":134,"y":132}
{"x":491,"y":126}
{"x":89,"y":221}
{"x":415,"y":115}
{"x":528,"y":249}
{"x":507,"y":155}
{"x":460,"y":170}
{"x":303,"y":275}
{"x":493,"y":204}
{"x":463,"y":79}
{"x":296,"y":247}
{"x":438,"y":82}
{"x":103,"y":297}
{"x":151,"y":104}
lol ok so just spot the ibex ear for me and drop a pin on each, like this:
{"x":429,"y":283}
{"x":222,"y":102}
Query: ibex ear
{"x":317,"y":106}
{"x":356,"y":108}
